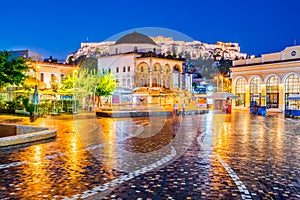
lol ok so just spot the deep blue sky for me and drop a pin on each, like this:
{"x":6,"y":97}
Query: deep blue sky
{"x":58,"y":27}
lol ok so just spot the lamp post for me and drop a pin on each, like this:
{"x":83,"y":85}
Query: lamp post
{"x":36,"y":94}
{"x":221,"y":77}
{"x":217,"y":80}
{"x":74,"y":72}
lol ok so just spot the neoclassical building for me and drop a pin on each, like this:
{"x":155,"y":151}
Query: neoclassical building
{"x":268,"y":79}
{"x":136,"y":61}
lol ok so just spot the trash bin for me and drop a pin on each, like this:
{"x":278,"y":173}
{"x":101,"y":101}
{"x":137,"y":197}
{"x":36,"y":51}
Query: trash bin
{"x":252,"y":110}
{"x":259,"y":110}
{"x":263,"y":110}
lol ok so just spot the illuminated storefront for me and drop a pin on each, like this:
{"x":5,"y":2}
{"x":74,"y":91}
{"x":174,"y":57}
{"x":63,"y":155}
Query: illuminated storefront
{"x":268,"y":80}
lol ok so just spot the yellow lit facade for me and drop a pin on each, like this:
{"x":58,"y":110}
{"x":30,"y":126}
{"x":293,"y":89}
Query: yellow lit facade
{"x":268,"y":80}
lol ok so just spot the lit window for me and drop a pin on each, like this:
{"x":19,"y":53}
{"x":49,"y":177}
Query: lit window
{"x":240,"y":85}
{"x":292,"y":84}
{"x":272,"y":85}
{"x":255,"y":85}
{"x":42,"y":76}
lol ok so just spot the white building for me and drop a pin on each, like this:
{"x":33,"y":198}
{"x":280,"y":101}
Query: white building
{"x":136,"y":61}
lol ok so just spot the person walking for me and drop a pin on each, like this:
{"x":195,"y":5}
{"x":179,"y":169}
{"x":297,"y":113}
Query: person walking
{"x":175,"y":109}
{"x":183,"y":107}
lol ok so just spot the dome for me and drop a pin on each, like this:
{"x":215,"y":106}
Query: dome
{"x":135,"y":38}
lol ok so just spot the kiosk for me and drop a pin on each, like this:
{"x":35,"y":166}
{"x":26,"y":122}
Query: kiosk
{"x":257,"y":105}
{"x":292,"y":108}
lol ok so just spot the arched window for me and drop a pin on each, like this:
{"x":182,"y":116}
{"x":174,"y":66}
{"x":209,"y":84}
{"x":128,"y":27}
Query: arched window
{"x":272,"y":85}
{"x":255,"y":90}
{"x":272,"y":89}
{"x":141,"y":82}
{"x":255,"y":85}
{"x":292,"y":84}
{"x":240,"y":90}
{"x":240,"y":86}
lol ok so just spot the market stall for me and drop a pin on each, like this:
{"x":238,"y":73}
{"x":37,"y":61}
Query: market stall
{"x":292,"y":108}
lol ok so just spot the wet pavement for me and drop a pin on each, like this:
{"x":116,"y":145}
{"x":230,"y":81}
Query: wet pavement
{"x":209,"y":156}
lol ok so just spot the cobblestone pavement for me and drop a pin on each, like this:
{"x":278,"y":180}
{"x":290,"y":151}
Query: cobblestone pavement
{"x":210,"y":156}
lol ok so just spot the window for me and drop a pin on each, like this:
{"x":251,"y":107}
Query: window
{"x":272,"y":89}
{"x":109,"y":70}
{"x":128,"y":82}
{"x":141,"y":82}
{"x":240,"y":85}
{"x":142,"y":69}
{"x":292,"y":84}
{"x":240,"y":90}
{"x":117,"y":70}
{"x":42,"y":76}
{"x":155,"y":68}
{"x":255,"y":85}
{"x":53,"y":78}
{"x":62,"y":77}
{"x":128,"y":68}
{"x":272,"y":85}
{"x":124,"y":69}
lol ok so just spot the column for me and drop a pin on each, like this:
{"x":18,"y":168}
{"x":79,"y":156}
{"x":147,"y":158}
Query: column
{"x":247,"y":96}
{"x":281,"y":104}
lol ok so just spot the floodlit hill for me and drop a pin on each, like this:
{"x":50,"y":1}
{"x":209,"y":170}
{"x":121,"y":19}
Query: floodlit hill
{"x":192,"y":50}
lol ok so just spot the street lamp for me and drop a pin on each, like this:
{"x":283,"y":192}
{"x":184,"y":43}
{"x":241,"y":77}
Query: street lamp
{"x":221,"y":77}
{"x":74,"y":72}
{"x":217,"y":80}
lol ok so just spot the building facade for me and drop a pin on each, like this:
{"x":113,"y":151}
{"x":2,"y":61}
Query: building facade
{"x":136,"y":61}
{"x":49,"y":74}
{"x":268,"y":80}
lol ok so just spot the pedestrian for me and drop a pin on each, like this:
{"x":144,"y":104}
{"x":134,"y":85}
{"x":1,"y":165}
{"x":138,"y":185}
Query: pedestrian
{"x":175,"y":109}
{"x":183,"y":107}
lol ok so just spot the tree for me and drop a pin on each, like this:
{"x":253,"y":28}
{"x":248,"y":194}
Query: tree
{"x":12,"y":70}
{"x":68,"y":83}
{"x":106,"y":84}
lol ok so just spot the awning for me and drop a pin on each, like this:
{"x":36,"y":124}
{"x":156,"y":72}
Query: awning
{"x":223,"y":95}
{"x":294,"y":97}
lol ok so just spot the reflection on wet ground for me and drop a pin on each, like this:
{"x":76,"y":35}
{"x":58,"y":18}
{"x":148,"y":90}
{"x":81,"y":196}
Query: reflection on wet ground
{"x":211,"y":156}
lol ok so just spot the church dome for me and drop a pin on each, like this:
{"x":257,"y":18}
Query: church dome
{"x":135,"y":38}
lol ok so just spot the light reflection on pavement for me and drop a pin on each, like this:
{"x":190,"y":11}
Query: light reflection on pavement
{"x":209,"y":156}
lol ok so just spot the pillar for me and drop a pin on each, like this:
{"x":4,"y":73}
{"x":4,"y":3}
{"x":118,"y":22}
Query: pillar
{"x":247,"y":96}
{"x":281,"y":104}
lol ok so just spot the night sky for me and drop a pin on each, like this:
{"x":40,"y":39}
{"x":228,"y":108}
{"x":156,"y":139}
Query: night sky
{"x":58,"y":27}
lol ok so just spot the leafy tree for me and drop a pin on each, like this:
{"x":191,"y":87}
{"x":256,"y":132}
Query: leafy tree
{"x":68,"y":82}
{"x":106,"y":84}
{"x":12,"y":70}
